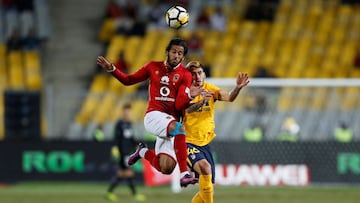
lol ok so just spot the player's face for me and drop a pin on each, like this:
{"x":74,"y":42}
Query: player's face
{"x":127,"y":114}
{"x":198,"y":76}
{"x":175,"y":55}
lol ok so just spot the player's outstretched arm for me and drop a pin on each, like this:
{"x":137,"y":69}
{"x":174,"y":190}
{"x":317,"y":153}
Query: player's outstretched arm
{"x":105,"y":64}
{"x":242,"y":79}
{"x":126,"y":79}
{"x":195,"y":106}
{"x":185,"y":95}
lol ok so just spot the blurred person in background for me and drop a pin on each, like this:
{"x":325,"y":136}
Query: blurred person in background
{"x":357,"y":59}
{"x":203,"y":19}
{"x":200,"y":125}
{"x":343,"y":133}
{"x":254,"y":133}
{"x":195,"y":44}
{"x":289,"y":130}
{"x":31,"y":41}
{"x":121,"y":63}
{"x":218,"y":20}
{"x":124,"y":137}
{"x":14,"y":42}
{"x":170,"y":93}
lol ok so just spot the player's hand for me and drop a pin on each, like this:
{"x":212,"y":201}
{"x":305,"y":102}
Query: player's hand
{"x":207,"y":95}
{"x":104,"y":63}
{"x":242,"y":80}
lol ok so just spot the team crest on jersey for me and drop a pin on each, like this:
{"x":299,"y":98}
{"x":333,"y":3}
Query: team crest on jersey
{"x":164,"y":80}
{"x":176,"y":77}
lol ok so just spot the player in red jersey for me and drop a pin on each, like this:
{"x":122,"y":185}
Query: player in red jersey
{"x":169,"y":94}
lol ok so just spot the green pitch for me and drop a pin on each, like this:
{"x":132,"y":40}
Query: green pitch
{"x":93,"y":192}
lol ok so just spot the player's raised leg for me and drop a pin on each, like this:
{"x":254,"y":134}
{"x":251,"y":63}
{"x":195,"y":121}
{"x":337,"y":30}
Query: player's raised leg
{"x":177,"y":130}
{"x":138,"y":154}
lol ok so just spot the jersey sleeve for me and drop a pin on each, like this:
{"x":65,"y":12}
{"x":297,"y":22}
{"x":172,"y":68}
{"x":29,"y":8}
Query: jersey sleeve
{"x":215,"y":89}
{"x":130,"y":79}
{"x":183,"y":96}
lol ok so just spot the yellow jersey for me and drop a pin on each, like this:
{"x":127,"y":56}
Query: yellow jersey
{"x":200,"y":124}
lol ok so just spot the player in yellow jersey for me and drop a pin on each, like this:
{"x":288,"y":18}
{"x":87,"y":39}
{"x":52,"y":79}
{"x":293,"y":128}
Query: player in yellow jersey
{"x":200,"y":125}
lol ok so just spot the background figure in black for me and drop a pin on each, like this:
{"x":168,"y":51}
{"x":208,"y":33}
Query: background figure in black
{"x":125,"y":143}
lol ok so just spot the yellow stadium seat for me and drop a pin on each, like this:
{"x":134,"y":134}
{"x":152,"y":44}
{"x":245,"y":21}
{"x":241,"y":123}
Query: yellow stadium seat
{"x":319,"y":95}
{"x":33,"y":79}
{"x":233,"y":26}
{"x":116,"y":45}
{"x":16,"y":71}
{"x":281,"y":71}
{"x":285,"y":98}
{"x":219,"y":65}
{"x":32,"y":60}
{"x":88,"y":108}
{"x":294,"y":72}
{"x":3,"y":58}
{"x":100,"y":83}
{"x":3,"y":67}
{"x":277,"y":31}
{"x":117,"y":111}
{"x":348,"y":54}
{"x":105,"y":106}
{"x":338,"y":35}
{"x":139,"y":108}
{"x":310,"y":72}
{"x":333,"y":50}
{"x":107,"y":30}
{"x":350,"y":98}
{"x":284,"y":104}
{"x":268,"y":60}
{"x":355,"y":73}
{"x":115,"y":86}
{"x":2,"y":121}
{"x":132,"y":46}
{"x":301,"y":100}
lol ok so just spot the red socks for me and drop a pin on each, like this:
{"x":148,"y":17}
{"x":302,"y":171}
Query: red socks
{"x":180,"y":151}
{"x":152,"y":158}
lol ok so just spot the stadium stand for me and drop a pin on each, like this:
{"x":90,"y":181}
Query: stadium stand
{"x":303,"y":39}
{"x":20,"y":69}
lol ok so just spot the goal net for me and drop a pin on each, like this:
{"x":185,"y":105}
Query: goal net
{"x":317,"y":106}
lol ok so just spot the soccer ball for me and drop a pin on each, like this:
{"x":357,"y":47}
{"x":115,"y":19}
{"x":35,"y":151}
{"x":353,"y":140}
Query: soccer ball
{"x":177,"y":17}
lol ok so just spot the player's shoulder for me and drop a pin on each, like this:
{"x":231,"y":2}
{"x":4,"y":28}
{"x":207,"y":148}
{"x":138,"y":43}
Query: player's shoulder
{"x":154,"y":64}
{"x":210,"y":86}
{"x":183,"y":69}
{"x":119,"y":122}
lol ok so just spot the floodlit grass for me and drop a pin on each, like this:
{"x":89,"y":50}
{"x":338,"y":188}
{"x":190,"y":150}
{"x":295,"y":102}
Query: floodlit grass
{"x":93,"y":192}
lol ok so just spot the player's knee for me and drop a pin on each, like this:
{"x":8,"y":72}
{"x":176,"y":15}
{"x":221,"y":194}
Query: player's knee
{"x":176,"y":128}
{"x":203,"y":167}
{"x":166,"y":170}
{"x":167,"y":165}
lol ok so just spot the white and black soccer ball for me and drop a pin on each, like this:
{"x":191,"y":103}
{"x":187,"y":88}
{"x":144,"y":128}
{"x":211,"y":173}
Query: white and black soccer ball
{"x":177,"y":17}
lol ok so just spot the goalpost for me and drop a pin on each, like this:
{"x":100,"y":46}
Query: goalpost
{"x":317,"y":105}
{"x":274,"y":82}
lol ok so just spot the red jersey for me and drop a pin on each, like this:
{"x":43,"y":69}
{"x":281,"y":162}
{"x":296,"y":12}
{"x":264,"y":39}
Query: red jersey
{"x":165,"y":86}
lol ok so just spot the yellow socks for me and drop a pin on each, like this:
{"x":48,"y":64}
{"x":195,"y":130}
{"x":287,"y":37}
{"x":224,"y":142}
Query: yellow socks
{"x":206,"y":193}
{"x":206,"y":188}
{"x":197,"y":198}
